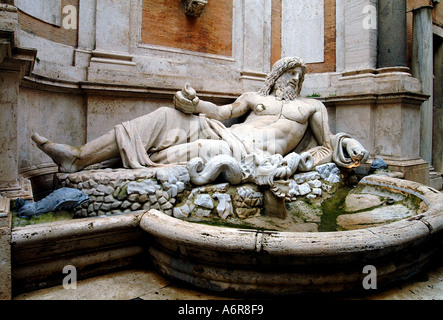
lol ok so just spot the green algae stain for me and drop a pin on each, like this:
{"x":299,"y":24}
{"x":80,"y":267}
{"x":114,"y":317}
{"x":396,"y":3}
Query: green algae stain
{"x":42,"y":218}
{"x":332,"y":208}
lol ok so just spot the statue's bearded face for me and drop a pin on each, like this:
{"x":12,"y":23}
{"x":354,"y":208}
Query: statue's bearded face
{"x":287,"y":85}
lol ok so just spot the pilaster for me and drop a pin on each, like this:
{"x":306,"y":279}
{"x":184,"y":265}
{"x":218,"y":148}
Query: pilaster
{"x":422,"y":69}
{"x":15,"y":63}
{"x":256,"y":36}
{"x":112,"y":36}
{"x":86,"y":32}
{"x":360,"y":34}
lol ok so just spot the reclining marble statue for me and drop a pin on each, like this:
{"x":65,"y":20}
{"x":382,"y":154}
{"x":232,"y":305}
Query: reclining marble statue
{"x":281,"y":134}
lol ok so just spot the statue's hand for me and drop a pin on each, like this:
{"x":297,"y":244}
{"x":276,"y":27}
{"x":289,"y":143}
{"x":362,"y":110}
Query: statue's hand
{"x":186,"y":100}
{"x":356,"y":151}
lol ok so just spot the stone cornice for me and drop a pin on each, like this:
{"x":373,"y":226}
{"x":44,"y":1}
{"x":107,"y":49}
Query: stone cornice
{"x":370,"y":94}
{"x":352,"y":99}
{"x":42,"y":83}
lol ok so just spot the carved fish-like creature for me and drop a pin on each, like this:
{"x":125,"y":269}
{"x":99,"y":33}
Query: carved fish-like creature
{"x":60,"y":199}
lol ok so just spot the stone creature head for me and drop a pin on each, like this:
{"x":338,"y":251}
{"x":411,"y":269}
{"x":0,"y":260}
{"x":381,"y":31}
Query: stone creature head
{"x":280,"y":67}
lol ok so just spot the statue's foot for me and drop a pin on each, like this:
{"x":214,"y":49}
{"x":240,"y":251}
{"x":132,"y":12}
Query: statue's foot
{"x":63,"y":155}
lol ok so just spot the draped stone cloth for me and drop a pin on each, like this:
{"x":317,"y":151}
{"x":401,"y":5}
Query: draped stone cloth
{"x":169,"y":136}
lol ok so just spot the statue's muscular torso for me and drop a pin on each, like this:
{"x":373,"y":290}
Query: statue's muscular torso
{"x":275,"y":126}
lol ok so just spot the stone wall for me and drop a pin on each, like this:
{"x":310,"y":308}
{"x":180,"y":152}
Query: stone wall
{"x":168,"y":189}
{"x":122,"y":191}
{"x":109,"y":111}
{"x":164,"y":23}
{"x":57,"y":116}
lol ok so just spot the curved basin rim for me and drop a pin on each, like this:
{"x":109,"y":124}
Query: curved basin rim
{"x":395,"y":234}
{"x":385,"y":185}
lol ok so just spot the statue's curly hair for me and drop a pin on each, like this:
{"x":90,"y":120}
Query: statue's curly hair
{"x":278,"y":69}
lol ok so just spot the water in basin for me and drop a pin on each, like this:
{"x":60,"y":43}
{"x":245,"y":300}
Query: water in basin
{"x":348,"y":208}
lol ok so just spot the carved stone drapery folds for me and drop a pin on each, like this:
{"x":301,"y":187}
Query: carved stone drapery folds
{"x":195,"y":7}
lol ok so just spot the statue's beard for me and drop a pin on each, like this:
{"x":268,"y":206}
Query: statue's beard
{"x":285,"y":93}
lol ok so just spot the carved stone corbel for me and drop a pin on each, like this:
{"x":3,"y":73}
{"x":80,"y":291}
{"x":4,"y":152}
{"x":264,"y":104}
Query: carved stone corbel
{"x":195,"y":8}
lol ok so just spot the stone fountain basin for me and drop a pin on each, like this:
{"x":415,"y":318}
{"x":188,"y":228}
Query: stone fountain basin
{"x":279,"y":263}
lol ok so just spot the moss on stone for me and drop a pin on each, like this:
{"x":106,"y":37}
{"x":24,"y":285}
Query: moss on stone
{"x":42,"y":218}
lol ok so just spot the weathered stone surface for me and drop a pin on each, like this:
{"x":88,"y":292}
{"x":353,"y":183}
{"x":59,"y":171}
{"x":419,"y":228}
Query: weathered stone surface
{"x":314,"y":183}
{"x":247,"y":197}
{"x":97,"y":206}
{"x":166,"y":206}
{"x":317,"y":192}
{"x":109,"y":199}
{"x":179,"y":214}
{"x":374,"y":217}
{"x":129,"y":190}
{"x":106,"y":207}
{"x":126,"y":204}
{"x":224,"y":207}
{"x":217,"y":188}
{"x":105,"y":189}
{"x":143,"y":198}
{"x":244,"y":213}
{"x":133,"y":197}
{"x":116,"y":192}
{"x":116,"y":204}
{"x":304,"y":189}
{"x":162,"y":201}
{"x":306,"y":176}
{"x":162,"y":194}
{"x":203,"y":213}
{"x":204,"y":201}
{"x":144,"y":187}
{"x":389,"y":245}
{"x":357,"y":202}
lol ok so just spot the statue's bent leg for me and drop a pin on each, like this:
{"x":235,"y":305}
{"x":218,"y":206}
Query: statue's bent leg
{"x":165,"y":131}
{"x":183,"y":153}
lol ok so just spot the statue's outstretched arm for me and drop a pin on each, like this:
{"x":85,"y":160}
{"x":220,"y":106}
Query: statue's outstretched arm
{"x":187,"y":101}
{"x":224,"y":112}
